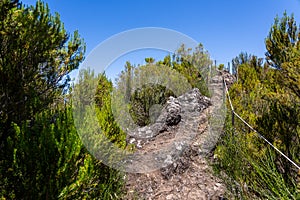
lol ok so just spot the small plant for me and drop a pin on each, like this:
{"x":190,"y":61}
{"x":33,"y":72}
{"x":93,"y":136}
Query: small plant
{"x":221,"y":67}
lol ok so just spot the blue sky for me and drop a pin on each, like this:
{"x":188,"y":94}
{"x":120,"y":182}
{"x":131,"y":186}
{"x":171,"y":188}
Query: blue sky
{"x":225,"y":28}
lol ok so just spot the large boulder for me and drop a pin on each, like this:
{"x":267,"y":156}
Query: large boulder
{"x":176,"y":111}
{"x":170,"y":115}
{"x":229,"y":78}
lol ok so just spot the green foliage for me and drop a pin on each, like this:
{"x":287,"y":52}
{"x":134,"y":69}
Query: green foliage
{"x":194,"y":66}
{"x":141,"y":91}
{"x":242,"y":58}
{"x":41,"y":155}
{"x":104,"y":112}
{"x":149,"y":60}
{"x":283,"y":51}
{"x":150,"y":86}
{"x":145,"y":98}
{"x":245,"y":58}
{"x":250,"y":166}
{"x":49,"y":162}
{"x":95,"y":120}
{"x":267,"y":97}
{"x":282,"y":41}
{"x":36,"y":56}
{"x":221,"y":67}
{"x":284,"y":107}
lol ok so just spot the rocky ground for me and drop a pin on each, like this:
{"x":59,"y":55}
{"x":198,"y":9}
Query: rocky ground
{"x":188,"y":128}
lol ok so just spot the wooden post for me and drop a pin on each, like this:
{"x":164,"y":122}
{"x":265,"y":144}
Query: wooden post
{"x":215,"y":64}
{"x":210,"y":75}
{"x":228,"y":67}
{"x":232,"y":118}
{"x":224,"y":93}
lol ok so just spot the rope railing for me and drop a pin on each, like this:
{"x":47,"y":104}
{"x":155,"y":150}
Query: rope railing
{"x":247,"y":124}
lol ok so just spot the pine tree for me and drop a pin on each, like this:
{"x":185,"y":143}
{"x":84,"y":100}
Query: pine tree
{"x":36,"y":56}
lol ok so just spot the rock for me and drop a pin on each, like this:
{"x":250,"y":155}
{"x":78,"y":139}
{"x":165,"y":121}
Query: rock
{"x":170,"y":115}
{"x":229,"y":78}
{"x":170,"y":197}
{"x":177,"y":167}
{"x":139,"y":145}
{"x":190,"y":103}
{"x":132,"y":140}
{"x":218,"y":184}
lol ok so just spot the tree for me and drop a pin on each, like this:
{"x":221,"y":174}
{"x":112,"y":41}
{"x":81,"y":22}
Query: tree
{"x":221,"y":67}
{"x":283,"y":54}
{"x":36,"y":56}
{"x":104,"y":111}
{"x":144,"y":98}
{"x":282,"y":41}
{"x":41,"y":155}
{"x":283,"y":51}
{"x":267,"y":96}
{"x":245,"y":58}
{"x":128,"y":71}
{"x":149,"y":60}
{"x":194,"y":65}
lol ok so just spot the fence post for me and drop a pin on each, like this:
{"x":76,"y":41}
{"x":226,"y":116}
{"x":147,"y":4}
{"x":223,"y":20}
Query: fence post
{"x":232,"y":118}
{"x":210,"y":71}
{"x":224,"y":93}
{"x":229,"y":69}
{"x":215,"y":64}
{"x":207,"y":77}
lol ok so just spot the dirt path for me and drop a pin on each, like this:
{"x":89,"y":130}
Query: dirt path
{"x":190,"y":176}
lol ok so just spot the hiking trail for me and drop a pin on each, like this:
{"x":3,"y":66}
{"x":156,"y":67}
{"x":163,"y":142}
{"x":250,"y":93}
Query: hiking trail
{"x":189,"y":175}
